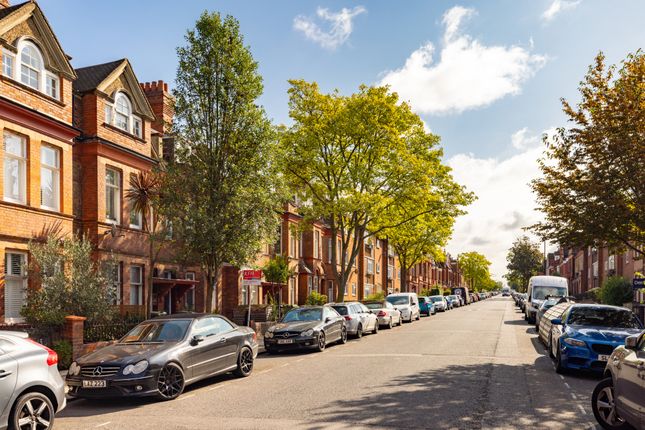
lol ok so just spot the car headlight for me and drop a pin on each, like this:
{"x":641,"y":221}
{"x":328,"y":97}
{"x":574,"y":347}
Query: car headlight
{"x":135,"y":369}
{"x":574,"y":342}
{"x":309,"y":332}
{"x":268,"y":334}
{"x":74,"y":369}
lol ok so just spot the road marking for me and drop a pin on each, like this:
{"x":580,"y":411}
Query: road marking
{"x":582,"y":409}
{"x":104,"y":424}
{"x":186,"y":397}
{"x":567,"y":385}
{"x":285,"y":364}
{"x":573,"y":396}
{"x":379,"y":355}
{"x":217,"y":387}
{"x":561,"y":377}
{"x":265,"y":371}
{"x":299,"y":360}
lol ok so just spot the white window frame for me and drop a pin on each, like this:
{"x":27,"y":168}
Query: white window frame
{"x":52,"y":85}
{"x":55,"y":173}
{"x":136,"y":286}
{"x":316,"y":244}
{"x":369,"y":260}
{"x":354,"y":289}
{"x":8,"y":63}
{"x":133,"y":123}
{"x":292,"y":290}
{"x":329,"y":249}
{"x":117,"y":195}
{"x":39,"y":71}
{"x":20,"y":279}
{"x":292,"y":245}
{"x":135,"y":216}
{"x":191,"y":292}
{"x":22,"y":168}
{"x":137,"y":126}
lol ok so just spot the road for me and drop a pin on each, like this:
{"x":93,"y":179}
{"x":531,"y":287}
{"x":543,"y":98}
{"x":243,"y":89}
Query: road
{"x":476,"y":367}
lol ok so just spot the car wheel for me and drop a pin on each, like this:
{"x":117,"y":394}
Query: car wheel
{"x":359,"y":331}
{"x":322,"y":342}
{"x":389,"y":324}
{"x":170,"y":382}
{"x":244,"y":363}
{"x":604,"y":406}
{"x":375,"y":331}
{"x":549,"y":347}
{"x":559,"y":367}
{"x":418,"y":317}
{"x":343,"y":336}
{"x":32,"y":411}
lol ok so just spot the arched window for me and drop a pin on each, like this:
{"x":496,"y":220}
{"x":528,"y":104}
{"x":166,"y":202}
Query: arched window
{"x":123,"y":110}
{"x":31,"y":65}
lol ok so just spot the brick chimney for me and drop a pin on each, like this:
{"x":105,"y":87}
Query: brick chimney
{"x":162,"y":106}
{"x":4,"y":4}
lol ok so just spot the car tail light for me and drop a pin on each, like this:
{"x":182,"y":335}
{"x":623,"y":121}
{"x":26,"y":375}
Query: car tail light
{"x":348,"y":318}
{"x":381,"y":314}
{"x":255,"y":336}
{"x":52,"y":357}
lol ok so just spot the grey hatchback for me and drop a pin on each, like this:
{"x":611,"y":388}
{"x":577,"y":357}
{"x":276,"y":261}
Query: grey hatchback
{"x":31,"y":389}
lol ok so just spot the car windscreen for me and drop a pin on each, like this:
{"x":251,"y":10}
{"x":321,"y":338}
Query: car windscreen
{"x":303,"y":315}
{"x":374,"y":305}
{"x":157,"y":331}
{"x":398,"y":300}
{"x":540,"y":292}
{"x":603,"y":317}
{"x":341,"y":309}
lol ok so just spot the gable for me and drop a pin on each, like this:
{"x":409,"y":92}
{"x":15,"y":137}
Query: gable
{"x":122,"y":78}
{"x":27,"y":21}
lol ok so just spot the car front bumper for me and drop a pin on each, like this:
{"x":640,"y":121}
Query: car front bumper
{"x":581,"y":358}
{"x":298,"y":343}
{"x":118,"y":386}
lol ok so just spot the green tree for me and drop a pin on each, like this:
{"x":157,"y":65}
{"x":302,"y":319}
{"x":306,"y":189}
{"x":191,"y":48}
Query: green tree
{"x":316,"y":299}
{"x":223,"y":190}
{"x":592,"y":191}
{"x":71,"y":283}
{"x":615,"y":291}
{"x":475,"y":268}
{"x":363,"y":163}
{"x":524,"y":260}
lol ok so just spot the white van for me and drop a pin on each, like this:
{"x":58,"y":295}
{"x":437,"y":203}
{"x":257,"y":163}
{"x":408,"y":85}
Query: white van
{"x":407,"y":304}
{"x":538,"y":289}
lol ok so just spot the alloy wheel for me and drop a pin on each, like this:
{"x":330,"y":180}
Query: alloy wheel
{"x":389,"y":325}
{"x":604,"y":406}
{"x":359,"y":331}
{"x":322,"y":343}
{"x":170,"y":382}
{"x":34,"y":411}
{"x":244,"y":363}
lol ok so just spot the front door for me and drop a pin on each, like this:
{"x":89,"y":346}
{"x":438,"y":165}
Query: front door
{"x":204,"y":356}
{"x":8,"y":376}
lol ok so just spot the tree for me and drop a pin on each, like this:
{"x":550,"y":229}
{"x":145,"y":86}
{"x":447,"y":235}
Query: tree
{"x":144,"y":195}
{"x":475,"y":266}
{"x":616,"y":291}
{"x":223,"y":191}
{"x":524,"y":260}
{"x":71,"y":282}
{"x":363,"y":163}
{"x":277,"y":272}
{"x":592,"y":191}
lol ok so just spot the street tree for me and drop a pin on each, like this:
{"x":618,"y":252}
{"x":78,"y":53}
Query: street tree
{"x":364,"y":164}
{"x":524,"y":260}
{"x":223,"y":190}
{"x":475,"y":268}
{"x":592,"y":191}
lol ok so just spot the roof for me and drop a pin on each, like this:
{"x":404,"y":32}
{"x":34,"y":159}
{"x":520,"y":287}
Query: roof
{"x":89,"y":78}
{"x":8,"y":10}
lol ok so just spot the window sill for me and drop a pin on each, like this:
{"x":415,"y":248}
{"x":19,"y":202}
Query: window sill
{"x":48,"y":209}
{"x":123,"y":132}
{"x":32,"y":90}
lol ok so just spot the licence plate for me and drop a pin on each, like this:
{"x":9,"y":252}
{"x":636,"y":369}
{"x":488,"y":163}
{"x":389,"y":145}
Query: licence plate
{"x":94,"y":384}
{"x":283,"y":341}
{"x":603,"y":357}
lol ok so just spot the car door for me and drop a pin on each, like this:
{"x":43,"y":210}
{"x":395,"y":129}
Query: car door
{"x":231,"y":339}
{"x":8,"y":375}
{"x":205,"y":356}
{"x":629,"y":387}
{"x":369,"y":317}
{"x":332,"y":323}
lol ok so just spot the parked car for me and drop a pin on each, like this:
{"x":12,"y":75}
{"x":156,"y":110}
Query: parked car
{"x":463,"y":293}
{"x":522,"y":301}
{"x":385,"y":312}
{"x":407,"y":303}
{"x":426,"y":306}
{"x":440,"y":303}
{"x":161,"y":356}
{"x":538,"y":289}
{"x":544,"y":330}
{"x":456,"y":301}
{"x":31,"y":388}
{"x":450,"y":302}
{"x":358,"y":318}
{"x":586,"y":335}
{"x":307,"y":327}
{"x":617,"y":400}
{"x":545,"y":306}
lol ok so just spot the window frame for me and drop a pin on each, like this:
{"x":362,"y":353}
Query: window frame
{"x":117,"y":195}
{"x":138,"y":286}
{"x":23,"y":45}
{"x":20,"y":278}
{"x":7,"y":55}
{"x":22,"y":167}
{"x":56,"y":176}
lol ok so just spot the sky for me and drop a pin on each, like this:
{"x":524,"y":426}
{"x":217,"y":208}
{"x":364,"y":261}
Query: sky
{"x":486,"y":76}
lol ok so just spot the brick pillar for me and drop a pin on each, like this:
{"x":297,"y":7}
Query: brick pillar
{"x":73,"y":333}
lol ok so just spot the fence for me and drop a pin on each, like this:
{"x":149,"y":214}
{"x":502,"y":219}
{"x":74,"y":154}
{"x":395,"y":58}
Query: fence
{"x":107,"y":331}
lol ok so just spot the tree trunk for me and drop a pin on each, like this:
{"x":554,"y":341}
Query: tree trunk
{"x":404,"y":280}
{"x":209,"y":290}
{"x":151,"y":263}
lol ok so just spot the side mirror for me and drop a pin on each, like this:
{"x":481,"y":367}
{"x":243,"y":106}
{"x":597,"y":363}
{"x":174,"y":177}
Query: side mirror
{"x":328,"y":319}
{"x":631,"y":342}
{"x":196,"y":339}
{"x":556,"y":321}
{"x":371,"y":311}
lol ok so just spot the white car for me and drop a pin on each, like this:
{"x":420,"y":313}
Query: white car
{"x":385,"y":312}
{"x":440,"y":303}
{"x":358,"y":318}
{"x":407,"y":304}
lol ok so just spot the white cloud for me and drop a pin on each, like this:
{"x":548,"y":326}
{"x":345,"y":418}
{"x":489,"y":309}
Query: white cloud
{"x":558,"y":6}
{"x":521,"y":139}
{"x":340,"y":26}
{"x":468,"y":74}
{"x":505,"y":202}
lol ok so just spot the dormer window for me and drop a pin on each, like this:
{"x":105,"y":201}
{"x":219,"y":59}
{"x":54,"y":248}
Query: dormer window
{"x":120,"y":115}
{"x":28,"y":67}
{"x":31,"y":65}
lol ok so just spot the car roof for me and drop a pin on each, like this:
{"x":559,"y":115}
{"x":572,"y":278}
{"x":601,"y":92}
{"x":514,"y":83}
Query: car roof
{"x":597,"y":306}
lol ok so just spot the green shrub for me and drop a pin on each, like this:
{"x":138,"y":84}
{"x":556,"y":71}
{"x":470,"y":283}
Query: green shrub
{"x":316,"y":299}
{"x":427,"y":292}
{"x":380,"y":296}
{"x":64,"y":350}
{"x":616,"y":291}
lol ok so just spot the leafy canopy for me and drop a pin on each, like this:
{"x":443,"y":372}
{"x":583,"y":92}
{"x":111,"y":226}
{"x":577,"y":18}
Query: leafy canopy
{"x":475,"y":268}
{"x":524,"y":260}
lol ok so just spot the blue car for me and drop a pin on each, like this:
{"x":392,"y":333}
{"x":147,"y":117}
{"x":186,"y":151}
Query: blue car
{"x":586,"y":335}
{"x":426,"y":306}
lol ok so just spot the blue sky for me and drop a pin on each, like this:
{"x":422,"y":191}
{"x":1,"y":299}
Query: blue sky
{"x":484,"y":75}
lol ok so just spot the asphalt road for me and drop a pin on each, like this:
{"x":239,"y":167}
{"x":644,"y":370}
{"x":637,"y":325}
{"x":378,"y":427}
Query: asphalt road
{"x":476,"y":367}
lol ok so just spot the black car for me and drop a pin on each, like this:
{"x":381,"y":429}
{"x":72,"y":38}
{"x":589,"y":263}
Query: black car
{"x":310,"y":327}
{"x":159,"y":357}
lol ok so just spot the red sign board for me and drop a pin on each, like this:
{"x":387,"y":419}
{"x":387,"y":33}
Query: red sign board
{"x":251,"y":274}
